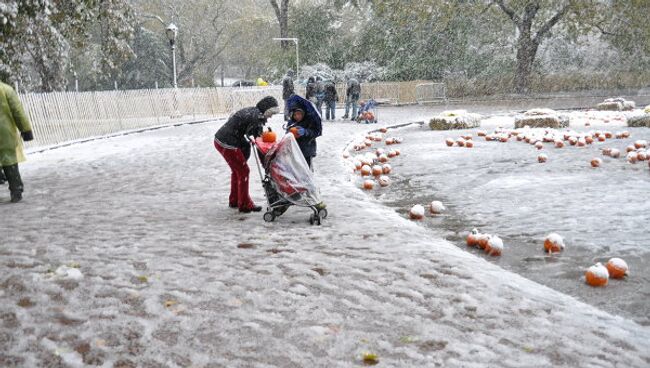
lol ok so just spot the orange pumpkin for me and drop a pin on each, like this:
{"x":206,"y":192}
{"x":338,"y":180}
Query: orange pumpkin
{"x":460,"y":142}
{"x":294,"y":131}
{"x":365,"y":170}
{"x":469,"y":144}
{"x":640,"y":144}
{"x":483,"y":240}
{"x":383,"y":130}
{"x":597,"y":275}
{"x":596,"y":162}
{"x":542,"y":158}
{"x":617,"y":268}
{"x":589,"y":139}
{"x":416,"y":212}
{"x":377,"y":170}
{"x":608,"y":135}
{"x":449,"y":142}
{"x":384,"y":181}
{"x":553,"y":243}
{"x":601,"y":138}
{"x":472,"y":238}
{"x":625,"y":134}
{"x":481,"y":133}
{"x":368,"y":184}
{"x":559,"y":144}
{"x":269,"y":136}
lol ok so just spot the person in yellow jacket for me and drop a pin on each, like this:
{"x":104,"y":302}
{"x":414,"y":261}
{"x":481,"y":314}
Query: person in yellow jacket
{"x":12,"y":121}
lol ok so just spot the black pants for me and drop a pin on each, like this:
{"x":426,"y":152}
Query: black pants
{"x":13,"y":177}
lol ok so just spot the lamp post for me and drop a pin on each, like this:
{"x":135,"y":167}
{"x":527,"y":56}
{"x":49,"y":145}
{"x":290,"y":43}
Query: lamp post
{"x":295,"y":41}
{"x":172,"y":32}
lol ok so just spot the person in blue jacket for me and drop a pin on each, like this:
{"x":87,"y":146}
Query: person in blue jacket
{"x":304,"y":117}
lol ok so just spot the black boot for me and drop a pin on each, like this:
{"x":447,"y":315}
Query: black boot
{"x":15,"y":182}
{"x":2,"y":177}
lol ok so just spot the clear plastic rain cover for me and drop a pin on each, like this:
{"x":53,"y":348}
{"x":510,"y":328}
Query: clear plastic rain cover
{"x":290,"y":174}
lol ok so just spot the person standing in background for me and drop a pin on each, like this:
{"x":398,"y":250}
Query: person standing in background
{"x":287,"y":91}
{"x":352,"y":94}
{"x":12,"y":121}
{"x":330,"y":99}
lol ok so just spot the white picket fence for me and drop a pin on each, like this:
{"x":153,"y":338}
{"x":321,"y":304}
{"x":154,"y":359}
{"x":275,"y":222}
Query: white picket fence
{"x":60,"y":117}
{"x":70,"y":116}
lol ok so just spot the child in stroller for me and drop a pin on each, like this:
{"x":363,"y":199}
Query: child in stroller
{"x":368,"y":112}
{"x":287,"y":180}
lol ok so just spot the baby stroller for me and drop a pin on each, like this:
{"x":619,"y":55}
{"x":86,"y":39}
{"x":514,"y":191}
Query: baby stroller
{"x":368,"y":112}
{"x":287,"y":180}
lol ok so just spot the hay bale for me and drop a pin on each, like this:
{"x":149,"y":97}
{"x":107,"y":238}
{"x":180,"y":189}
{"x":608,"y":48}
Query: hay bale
{"x":541,"y":118}
{"x":616,"y":104}
{"x":455,"y":119}
{"x":639,"y":121}
{"x":609,"y":106}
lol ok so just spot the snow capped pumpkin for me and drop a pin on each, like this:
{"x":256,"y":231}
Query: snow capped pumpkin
{"x":392,"y":153}
{"x":626,"y":134}
{"x":377,"y":170}
{"x":640,"y":144}
{"x":398,"y":152}
{"x":383,"y":130}
{"x":460,"y":142}
{"x":436,"y":207}
{"x":632,"y":157}
{"x":357,"y":165}
{"x":553,"y":243}
{"x":541,"y":158}
{"x":641,"y":155}
{"x":383,"y":158}
{"x":483,"y":240}
{"x":368,"y":184}
{"x":617,"y":268}
{"x":494,"y":246}
{"x":630,"y":148}
{"x":597,"y":275}
{"x":384,"y":181}
{"x":416,"y":212}
{"x":469,"y":144}
{"x":581,"y":142}
{"x":449,"y":142}
{"x":596,"y":162}
{"x":366,"y":170}
{"x":472,"y":238}
{"x":614,"y":153}
{"x":386,"y":169}
{"x":539,"y":145}
{"x":589,"y":139}
{"x":481,"y":133}
{"x":559,"y":143}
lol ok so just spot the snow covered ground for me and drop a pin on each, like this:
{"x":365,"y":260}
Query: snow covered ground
{"x":171,"y":277}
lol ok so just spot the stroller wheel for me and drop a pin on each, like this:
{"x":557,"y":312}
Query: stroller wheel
{"x":269,"y":216}
{"x":322,"y":213}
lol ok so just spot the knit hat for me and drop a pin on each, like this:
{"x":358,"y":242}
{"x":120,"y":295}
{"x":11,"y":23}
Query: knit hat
{"x":267,"y":103}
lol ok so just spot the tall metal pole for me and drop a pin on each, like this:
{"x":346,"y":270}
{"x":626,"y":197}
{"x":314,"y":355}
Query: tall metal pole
{"x":297,"y":58}
{"x":174,"y":64}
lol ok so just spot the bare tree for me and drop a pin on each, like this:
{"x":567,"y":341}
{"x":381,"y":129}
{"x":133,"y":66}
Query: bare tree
{"x":282,"y":13}
{"x":528,"y":40}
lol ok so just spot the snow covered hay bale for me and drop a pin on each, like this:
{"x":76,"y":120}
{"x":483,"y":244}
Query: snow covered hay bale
{"x":541,"y":118}
{"x":616,"y":104}
{"x":639,"y":121}
{"x":455,"y":119}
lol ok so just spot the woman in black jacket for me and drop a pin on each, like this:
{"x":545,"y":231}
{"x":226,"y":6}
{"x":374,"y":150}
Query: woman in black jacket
{"x":231,"y":140}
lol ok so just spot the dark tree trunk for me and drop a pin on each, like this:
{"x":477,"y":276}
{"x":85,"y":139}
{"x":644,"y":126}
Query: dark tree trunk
{"x":282,"y":13}
{"x":526,"y":52}
{"x":527,"y":44}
